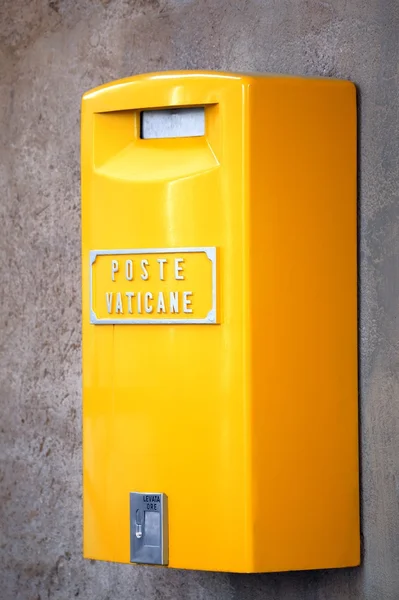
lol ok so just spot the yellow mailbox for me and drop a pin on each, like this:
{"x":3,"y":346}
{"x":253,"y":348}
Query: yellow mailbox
{"x":220,"y":423}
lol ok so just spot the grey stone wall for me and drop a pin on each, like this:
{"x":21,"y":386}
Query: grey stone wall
{"x":50,"y":53}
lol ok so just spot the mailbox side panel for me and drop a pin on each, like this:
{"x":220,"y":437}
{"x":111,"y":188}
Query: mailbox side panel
{"x":303,"y":303}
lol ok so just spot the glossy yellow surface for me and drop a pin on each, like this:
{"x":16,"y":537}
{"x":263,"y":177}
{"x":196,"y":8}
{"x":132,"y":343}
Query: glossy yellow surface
{"x":248,"y":425}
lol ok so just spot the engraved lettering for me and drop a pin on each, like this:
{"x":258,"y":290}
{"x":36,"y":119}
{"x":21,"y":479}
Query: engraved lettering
{"x":144,"y":265}
{"x":178,"y":268}
{"x":174,"y":302}
{"x":118,"y":304}
{"x":108,"y":299}
{"x":148,"y":308}
{"x":151,"y":498}
{"x":129,"y":296}
{"x":139,"y":302}
{"x":161,"y":261}
{"x":161,"y":303}
{"x":187,"y":302}
{"x":114,"y":268}
{"x":129,"y":270}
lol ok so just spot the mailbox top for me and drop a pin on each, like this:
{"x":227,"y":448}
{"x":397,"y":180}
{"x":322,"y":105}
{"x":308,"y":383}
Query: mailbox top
{"x":181,"y":88}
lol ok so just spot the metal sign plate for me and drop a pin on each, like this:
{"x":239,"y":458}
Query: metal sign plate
{"x":153,"y":286}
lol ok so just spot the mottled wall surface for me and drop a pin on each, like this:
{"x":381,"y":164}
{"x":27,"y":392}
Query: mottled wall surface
{"x":50,"y":53}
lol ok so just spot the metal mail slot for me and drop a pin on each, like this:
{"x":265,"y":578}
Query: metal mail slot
{"x":173,"y":123}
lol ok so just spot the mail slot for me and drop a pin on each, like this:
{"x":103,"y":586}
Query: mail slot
{"x":220,"y":427}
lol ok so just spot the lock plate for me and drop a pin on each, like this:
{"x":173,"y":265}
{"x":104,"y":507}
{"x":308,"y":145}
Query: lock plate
{"x":148,"y":528}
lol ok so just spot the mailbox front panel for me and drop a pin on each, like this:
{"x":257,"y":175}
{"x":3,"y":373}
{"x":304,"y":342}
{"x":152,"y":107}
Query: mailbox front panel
{"x":163,"y":390}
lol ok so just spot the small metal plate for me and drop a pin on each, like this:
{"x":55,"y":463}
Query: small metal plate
{"x":153,"y":286}
{"x":149,"y":528}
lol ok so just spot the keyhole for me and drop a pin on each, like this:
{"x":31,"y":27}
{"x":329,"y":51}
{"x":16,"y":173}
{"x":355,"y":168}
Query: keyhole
{"x":139,"y":524}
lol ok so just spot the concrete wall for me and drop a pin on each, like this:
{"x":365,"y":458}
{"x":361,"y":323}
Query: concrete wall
{"x":50,"y":53}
